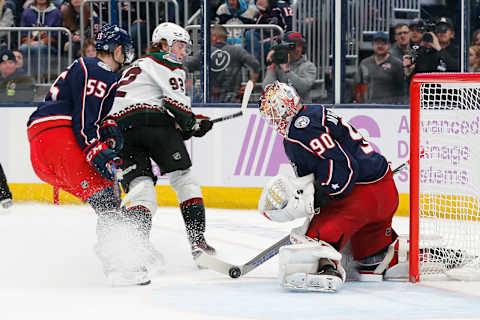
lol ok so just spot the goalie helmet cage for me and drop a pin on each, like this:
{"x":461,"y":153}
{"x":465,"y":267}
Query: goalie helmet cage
{"x":445,"y":177}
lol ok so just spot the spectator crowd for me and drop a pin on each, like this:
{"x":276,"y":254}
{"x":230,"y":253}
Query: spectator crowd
{"x":237,"y":53}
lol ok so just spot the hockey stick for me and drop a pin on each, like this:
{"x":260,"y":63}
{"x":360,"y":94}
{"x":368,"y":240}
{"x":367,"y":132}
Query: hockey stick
{"x":116,"y":186}
{"x":116,"y":183}
{"x":401,"y":167}
{"x":235,"y":271}
{"x":243,"y":108}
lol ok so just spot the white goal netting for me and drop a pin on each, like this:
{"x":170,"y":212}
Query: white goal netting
{"x":449,"y":181}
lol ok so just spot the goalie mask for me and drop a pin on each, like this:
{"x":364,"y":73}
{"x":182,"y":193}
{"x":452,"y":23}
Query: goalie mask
{"x":278,"y":106}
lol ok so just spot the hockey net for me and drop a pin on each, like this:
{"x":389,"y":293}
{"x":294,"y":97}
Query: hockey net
{"x":445,"y":177}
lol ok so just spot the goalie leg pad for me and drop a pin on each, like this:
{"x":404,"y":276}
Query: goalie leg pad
{"x":287,"y":198}
{"x":147,"y":198}
{"x":185,"y":185}
{"x":313,"y":266}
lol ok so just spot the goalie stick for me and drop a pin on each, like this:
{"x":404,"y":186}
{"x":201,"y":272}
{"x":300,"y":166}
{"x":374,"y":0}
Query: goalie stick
{"x":235,"y":271}
{"x":245,"y":99}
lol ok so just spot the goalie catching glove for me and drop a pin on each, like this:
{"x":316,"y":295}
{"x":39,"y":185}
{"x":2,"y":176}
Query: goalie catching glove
{"x":287,"y":198}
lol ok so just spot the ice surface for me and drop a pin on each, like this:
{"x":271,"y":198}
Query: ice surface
{"x":48,"y":270}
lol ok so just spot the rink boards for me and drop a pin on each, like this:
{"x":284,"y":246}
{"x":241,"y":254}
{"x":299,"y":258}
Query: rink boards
{"x":231,"y":163}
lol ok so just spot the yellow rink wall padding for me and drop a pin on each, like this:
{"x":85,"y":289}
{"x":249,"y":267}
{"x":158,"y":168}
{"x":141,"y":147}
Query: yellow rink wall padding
{"x":214,"y":197}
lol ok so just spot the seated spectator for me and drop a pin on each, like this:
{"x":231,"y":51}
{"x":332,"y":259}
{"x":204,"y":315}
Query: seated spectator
{"x":71,"y":20}
{"x":88,"y":48}
{"x":401,"y":46}
{"x":474,"y":59}
{"x":19,"y":64}
{"x":14,"y":87}
{"x":476,"y":37}
{"x":235,"y":12}
{"x":270,"y":12}
{"x":41,"y":13}
{"x":381,"y":75}
{"x":6,"y":20}
{"x":225,"y":66}
{"x":292,"y":66}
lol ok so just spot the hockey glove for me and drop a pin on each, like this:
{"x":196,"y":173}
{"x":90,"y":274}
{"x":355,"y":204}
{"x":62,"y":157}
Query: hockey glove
{"x":100,"y":157}
{"x":111,"y":134}
{"x":204,"y":124}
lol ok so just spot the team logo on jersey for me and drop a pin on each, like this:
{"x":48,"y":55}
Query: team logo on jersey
{"x":103,"y":65}
{"x":219,"y":60}
{"x":302,"y":122}
{"x":84,"y":184}
{"x":176,"y":156}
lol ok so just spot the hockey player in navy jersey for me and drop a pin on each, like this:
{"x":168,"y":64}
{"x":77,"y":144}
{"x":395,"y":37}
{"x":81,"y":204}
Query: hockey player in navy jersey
{"x":344,"y":187}
{"x":68,"y":148}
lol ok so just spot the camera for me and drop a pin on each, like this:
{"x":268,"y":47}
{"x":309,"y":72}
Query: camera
{"x":418,"y":52}
{"x":425,"y":27}
{"x":280,"y":52}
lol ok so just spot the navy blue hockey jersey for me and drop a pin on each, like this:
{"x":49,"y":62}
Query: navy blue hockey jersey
{"x":322,"y":143}
{"x":84,"y":93}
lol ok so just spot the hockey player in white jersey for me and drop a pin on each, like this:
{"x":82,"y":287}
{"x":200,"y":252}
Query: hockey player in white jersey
{"x":156,"y":117}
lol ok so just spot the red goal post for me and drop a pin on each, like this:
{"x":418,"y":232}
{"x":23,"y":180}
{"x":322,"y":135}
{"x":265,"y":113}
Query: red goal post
{"x":445,"y":180}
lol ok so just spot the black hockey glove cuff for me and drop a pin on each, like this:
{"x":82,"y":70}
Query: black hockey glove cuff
{"x":320,"y":197}
{"x":185,"y":135}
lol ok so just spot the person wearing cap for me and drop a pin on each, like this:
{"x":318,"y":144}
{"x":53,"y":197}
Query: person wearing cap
{"x":448,"y":49}
{"x":380,"y":76}
{"x":298,"y":72}
{"x":14,"y":87}
{"x":435,"y":53}
{"x":417,"y":29}
{"x":401,"y":46}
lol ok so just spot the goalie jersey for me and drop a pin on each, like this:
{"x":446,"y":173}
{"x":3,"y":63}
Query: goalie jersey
{"x":322,"y":143}
{"x":151,"y":92}
{"x":84,"y":94}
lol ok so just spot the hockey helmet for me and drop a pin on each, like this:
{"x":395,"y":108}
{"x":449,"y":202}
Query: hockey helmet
{"x":278,"y":106}
{"x":171,"y":33}
{"x":111,"y":36}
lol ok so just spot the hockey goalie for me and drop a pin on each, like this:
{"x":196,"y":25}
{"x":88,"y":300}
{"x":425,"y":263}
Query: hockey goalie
{"x":345,"y":190}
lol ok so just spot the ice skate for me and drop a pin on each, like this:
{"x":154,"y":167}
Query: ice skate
{"x":6,"y":203}
{"x":201,"y":244}
{"x":119,"y":278}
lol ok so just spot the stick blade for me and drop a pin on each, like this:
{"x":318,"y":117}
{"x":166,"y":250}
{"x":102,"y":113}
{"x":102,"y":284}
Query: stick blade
{"x":205,"y":260}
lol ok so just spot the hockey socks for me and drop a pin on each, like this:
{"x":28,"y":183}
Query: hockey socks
{"x":193,"y":212}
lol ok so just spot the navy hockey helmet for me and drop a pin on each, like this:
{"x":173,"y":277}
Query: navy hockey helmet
{"x":111,"y":36}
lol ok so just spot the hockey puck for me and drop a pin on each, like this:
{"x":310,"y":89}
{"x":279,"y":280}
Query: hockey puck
{"x":234,"y":272}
